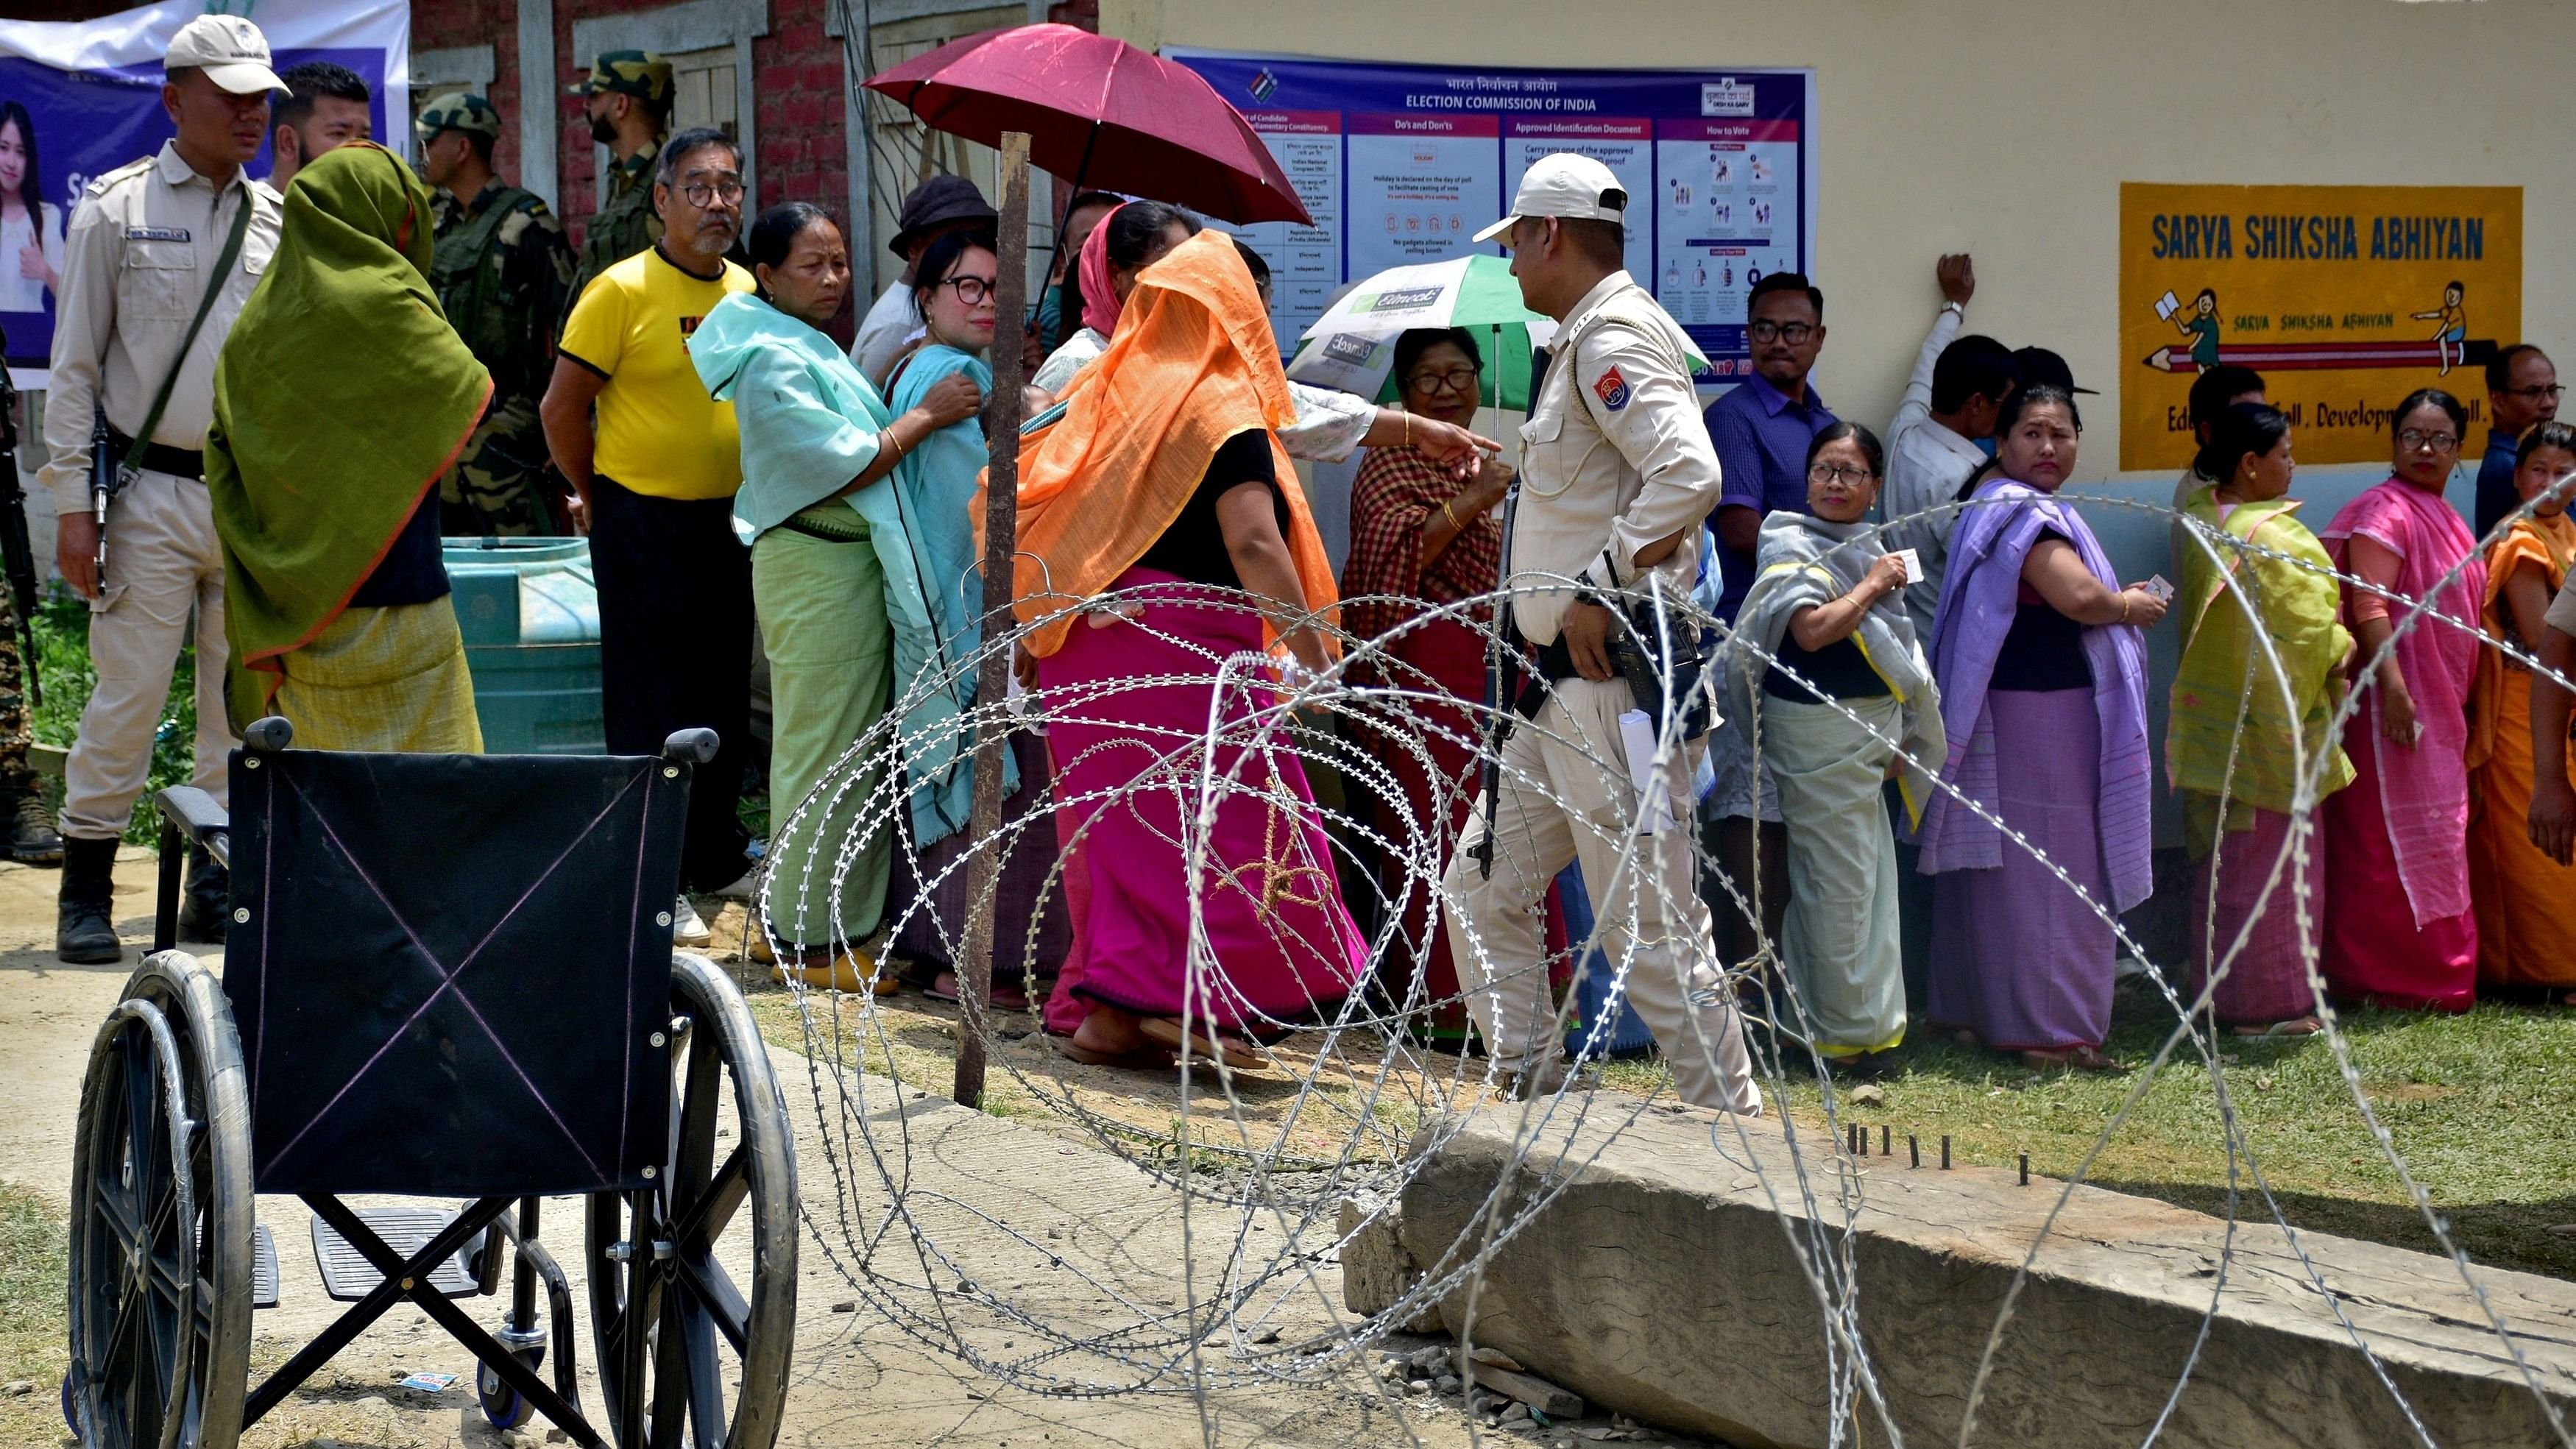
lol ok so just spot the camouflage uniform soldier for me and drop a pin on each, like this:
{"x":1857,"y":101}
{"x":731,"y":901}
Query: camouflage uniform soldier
{"x":628,"y":99}
{"x":502,"y":272}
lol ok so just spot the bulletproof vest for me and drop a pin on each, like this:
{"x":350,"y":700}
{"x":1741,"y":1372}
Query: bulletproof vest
{"x":463,"y":274}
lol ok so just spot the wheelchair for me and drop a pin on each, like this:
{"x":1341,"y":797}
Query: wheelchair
{"x":449,"y":977}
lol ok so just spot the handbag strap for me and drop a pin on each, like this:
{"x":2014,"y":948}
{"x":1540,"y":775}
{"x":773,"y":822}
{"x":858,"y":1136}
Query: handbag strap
{"x":205,"y":304}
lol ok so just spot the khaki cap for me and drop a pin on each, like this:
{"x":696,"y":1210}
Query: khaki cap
{"x":229,"y":49}
{"x":1565,"y":185}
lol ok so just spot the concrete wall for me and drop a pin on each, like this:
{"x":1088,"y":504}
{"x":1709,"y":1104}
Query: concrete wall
{"x":2005,"y":127}
{"x":1662,"y":1282}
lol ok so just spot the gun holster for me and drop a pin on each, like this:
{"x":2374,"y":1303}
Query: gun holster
{"x":1657,"y":653}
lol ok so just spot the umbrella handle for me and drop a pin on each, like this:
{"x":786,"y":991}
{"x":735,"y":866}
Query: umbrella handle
{"x":1055,"y":249}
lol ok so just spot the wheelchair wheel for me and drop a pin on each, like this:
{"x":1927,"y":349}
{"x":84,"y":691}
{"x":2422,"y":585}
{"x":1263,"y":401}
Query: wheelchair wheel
{"x":162,"y":1216}
{"x":676,"y":1331}
{"x":501,"y":1405}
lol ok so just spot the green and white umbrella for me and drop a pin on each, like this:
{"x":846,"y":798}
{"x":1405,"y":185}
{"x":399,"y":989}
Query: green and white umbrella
{"x":1351,"y":347}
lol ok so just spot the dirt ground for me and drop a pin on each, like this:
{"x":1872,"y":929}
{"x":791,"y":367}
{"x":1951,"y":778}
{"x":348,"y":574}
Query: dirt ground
{"x":981,"y":1189}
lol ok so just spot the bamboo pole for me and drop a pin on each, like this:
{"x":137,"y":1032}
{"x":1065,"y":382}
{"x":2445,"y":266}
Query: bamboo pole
{"x":992,"y":678}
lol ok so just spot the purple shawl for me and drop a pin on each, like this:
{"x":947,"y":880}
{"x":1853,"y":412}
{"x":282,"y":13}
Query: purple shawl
{"x":1977,"y":600}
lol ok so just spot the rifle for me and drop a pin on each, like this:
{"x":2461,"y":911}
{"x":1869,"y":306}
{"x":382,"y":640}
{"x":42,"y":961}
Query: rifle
{"x":17,"y":555}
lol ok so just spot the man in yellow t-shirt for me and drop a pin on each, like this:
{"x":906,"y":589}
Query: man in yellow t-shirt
{"x":654,"y":490}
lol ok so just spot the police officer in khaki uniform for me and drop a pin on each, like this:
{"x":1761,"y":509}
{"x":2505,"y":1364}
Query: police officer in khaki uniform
{"x":501,"y":271}
{"x":1617,"y":478}
{"x":627,"y":97}
{"x":146,"y":246}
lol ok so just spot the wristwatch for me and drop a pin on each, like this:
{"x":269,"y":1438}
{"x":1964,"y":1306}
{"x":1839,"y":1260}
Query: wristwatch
{"x":1959,"y":307}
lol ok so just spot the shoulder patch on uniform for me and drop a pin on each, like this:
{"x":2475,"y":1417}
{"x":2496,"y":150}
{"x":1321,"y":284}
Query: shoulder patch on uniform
{"x":157,"y":233}
{"x":1611,"y":388}
{"x":135,"y":167}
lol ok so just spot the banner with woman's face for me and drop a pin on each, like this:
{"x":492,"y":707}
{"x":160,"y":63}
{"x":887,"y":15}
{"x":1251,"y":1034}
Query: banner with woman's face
{"x":79,"y":99}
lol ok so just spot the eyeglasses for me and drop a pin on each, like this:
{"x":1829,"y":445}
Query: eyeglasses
{"x":1845,"y":473}
{"x":973,"y":290}
{"x":702,"y":193}
{"x":2539,"y":392}
{"x":1792,"y":333}
{"x":2418,"y":438}
{"x":1456,"y":379}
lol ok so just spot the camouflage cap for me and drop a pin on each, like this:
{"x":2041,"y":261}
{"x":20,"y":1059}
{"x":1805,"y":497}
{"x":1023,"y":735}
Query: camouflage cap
{"x":638,"y":73}
{"x":463,"y":111}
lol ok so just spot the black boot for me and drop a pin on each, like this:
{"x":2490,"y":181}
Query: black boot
{"x":208,"y":906}
{"x":32,"y":839}
{"x":85,"y":934}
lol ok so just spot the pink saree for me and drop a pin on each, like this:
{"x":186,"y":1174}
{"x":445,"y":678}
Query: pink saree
{"x":1130,"y":703}
{"x":2398,"y":923}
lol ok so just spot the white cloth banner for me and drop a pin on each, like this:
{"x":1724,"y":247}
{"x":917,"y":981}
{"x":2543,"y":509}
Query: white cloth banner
{"x":81,"y":98}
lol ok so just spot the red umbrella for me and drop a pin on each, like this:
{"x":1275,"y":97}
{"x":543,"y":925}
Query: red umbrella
{"x":1102,"y":112}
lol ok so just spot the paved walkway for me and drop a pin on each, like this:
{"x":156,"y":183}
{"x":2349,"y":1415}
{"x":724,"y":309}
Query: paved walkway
{"x":1001,"y":1203}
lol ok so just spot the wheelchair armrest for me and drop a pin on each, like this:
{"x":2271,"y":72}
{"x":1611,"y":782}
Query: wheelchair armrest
{"x":194,"y":814}
{"x":697,"y":746}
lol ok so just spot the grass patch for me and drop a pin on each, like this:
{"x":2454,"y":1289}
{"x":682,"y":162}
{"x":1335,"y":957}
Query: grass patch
{"x":63,"y":669}
{"x":2478,"y":1106}
{"x":33,"y":1346}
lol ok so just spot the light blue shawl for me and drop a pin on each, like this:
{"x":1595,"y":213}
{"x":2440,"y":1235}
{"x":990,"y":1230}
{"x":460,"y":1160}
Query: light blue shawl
{"x":810,"y":423}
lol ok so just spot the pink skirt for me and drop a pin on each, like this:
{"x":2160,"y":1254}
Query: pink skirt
{"x":2268,"y":979}
{"x":2374,"y":950}
{"x":1129,"y":708}
{"x":2018,"y":958}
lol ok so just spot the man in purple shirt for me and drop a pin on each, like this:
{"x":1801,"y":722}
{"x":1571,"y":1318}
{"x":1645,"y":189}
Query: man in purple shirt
{"x":1763,"y":426}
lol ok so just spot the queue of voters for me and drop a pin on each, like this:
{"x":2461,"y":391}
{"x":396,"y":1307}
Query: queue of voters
{"x":1911,"y":766}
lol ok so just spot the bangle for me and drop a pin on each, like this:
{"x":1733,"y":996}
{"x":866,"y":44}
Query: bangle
{"x":1408,"y":430}
{"x":2124,"y":606}
{"x":1454,"y":525}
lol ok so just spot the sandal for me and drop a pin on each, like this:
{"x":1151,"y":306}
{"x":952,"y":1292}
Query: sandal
{"x":943,"y":987}
{"x":2296,"y":1026}
{"x":1143,"y":1059}
{"x":2073,"y":1059}
{"x":847,"y":969}
{"x":1236,"y":1054}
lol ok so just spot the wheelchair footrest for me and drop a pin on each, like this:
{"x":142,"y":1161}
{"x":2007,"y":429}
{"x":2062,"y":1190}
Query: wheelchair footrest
{"x":263,"y":1268}
{"x":348,"y":1276}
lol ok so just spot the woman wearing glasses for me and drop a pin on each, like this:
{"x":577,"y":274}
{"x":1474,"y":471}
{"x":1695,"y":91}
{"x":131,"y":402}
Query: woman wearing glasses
{"x":2402,"y":931}
{"x":954,"y":289}
{"x":844,"y":607}
{"x":2526,"y":901}
{"x":1834,"y":687}
{"x":1422,"y":539}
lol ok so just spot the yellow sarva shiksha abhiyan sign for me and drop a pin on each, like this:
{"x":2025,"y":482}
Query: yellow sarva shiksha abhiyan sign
{"x":2345,"y":298}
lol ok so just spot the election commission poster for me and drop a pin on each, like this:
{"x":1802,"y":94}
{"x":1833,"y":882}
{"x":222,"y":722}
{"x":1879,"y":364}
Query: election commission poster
{"x":1404,"y":163}
{"x":79,"y":99}
{"x":2345,"y":299}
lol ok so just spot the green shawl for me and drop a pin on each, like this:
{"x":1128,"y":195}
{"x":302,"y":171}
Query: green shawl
{"x":2224,"y":679}
{"x":341,"y":397}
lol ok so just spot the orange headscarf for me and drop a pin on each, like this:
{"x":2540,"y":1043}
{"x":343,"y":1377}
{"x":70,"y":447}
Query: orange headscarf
{"x":1193,"y":363}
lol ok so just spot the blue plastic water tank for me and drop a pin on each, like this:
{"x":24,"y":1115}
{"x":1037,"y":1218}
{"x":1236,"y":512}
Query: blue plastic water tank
{"x":530,"y":614}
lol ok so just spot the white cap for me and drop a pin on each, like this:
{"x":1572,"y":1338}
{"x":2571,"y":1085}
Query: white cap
{"x":1566,"y":185}
{"x":229,"y":49}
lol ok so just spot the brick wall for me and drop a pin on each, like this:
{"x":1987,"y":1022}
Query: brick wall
{"x":795,"y":103}
{"x":438,"y":24}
